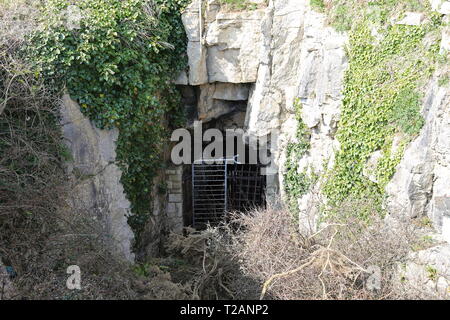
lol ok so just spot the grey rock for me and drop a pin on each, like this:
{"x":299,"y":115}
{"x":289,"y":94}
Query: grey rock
{"x":223,"y":46}
{"x":231,"y":91}
{"x":421,"y":183}
{"x":98,"y":189}
{"x":371,"y":166}
{"x":426,"y":273}
{"x":412,"y":19}
{"x":445,"y":8}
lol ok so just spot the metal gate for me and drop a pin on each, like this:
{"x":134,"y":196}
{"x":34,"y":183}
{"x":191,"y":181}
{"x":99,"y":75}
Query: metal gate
{"x":224,"y":186}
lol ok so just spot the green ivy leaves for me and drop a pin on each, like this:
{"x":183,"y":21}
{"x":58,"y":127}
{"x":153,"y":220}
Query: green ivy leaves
{"x":297,"y":184}
{"x":380,"y":99}
{"x":119,"y":65}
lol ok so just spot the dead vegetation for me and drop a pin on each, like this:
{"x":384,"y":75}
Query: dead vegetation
{"x":257,"y":255}
{"x":41,"y":232}
{"x":40,"y":236}
{"x":262,"y":255}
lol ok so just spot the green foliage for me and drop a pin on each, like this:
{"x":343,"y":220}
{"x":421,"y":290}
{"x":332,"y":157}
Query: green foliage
{"x":444,"y":80}
{"x":380,"y":95}
{"x":318,"y":5}
{"x":119,"y":65}
{"x":432,"y":273}
{"x":386,"y":165}
{"x":406,"y":111}
{"x":297,"y":184}
{"x":240,"y":4}
{"x":344,"y":13}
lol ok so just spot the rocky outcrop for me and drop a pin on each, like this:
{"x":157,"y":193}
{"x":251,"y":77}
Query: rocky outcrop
{"x":421,"y":185}
{"x":426,"y":274}
{"x":223,"y":45}
{"x":260,"y":61}
{"x":304,"y":59}
{"x":288,"y":52}
{"x":98,"y":189}
{"x":224,"y":55}
{"x":218,"y":99}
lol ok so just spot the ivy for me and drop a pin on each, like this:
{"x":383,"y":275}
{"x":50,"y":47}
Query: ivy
{"x":239,"y":4}
{"x":318,"y":5}
{"x":381,"y":96}
{"x":297,"y":184}
{"x":118,"y":64}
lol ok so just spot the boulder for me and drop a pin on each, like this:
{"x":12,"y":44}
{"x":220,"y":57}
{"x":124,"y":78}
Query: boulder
{"x":223,"y":46}
{"x":445,"y":8}
{"x":426,"y":273}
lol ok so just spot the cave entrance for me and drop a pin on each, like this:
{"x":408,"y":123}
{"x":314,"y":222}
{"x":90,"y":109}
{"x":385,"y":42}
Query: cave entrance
{"x":212,"y":189}
{"x":224,"y":186}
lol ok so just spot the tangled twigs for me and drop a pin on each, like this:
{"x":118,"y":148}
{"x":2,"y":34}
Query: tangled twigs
{"x":284,"y":274}
{"x":337,"y":263}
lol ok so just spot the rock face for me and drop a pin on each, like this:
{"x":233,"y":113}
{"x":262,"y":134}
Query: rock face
{"x":218,"y":99}
{"x":412,"y":19}
{"x":223,"y":46}
{"x":285,"y":51}
{"x":259,"y":61}
{"x":304,"y":59}
{"x":98,"y":189}
{"x":421,"y":185}
{"x":441,"y":6}
{"x":427,"y":272}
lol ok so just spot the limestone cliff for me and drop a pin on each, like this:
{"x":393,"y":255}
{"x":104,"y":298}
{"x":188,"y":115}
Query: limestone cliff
{"x":280,"y":51}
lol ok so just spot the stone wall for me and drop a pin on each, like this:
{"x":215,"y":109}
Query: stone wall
{"x":174,"y":206}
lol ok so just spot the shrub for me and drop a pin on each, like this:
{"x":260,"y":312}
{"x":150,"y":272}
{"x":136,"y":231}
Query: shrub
{"x":40,"y":236}
{"x":118,"y":63}
{"x":406,"y":112}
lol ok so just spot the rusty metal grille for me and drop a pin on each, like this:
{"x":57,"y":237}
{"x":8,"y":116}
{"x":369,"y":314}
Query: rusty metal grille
{"x":222,"y":187}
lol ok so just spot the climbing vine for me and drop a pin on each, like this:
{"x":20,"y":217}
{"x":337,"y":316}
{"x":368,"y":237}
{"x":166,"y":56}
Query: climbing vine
{"x":296,"y":183}
{"x":388,"y":64}
{"x":118,"y":61}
